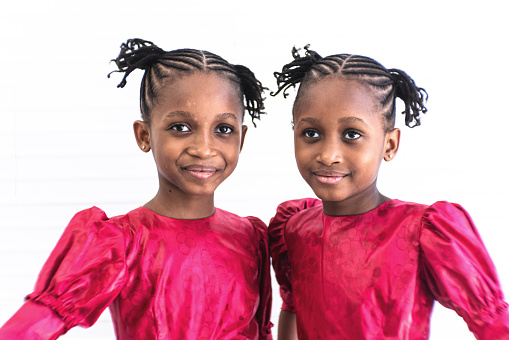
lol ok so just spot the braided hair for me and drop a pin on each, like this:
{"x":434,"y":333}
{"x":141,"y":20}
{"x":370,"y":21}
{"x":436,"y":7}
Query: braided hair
{"x":159,"y":64}
{"x":388,"y":84}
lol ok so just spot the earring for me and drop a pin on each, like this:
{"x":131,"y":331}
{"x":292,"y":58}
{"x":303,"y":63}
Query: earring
{"x":143,"y":147}
{"x":390,"y":156}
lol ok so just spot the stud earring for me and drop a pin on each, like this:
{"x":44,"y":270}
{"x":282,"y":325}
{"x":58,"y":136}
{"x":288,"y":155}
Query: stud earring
{"x":143,"y":147}
{"x":390,"y":156}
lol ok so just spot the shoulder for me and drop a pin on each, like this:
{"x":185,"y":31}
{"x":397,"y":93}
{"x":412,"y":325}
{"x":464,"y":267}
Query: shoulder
{"x":442,"y":220}
{"x":290,"y":211}
{"x":419,"y":211}
{"x":402,"y":207}
{"x":446,"y":214}
{"x":93,"y":217}
{"x":286,"y":210}
{"x":138,"y":219}
{"x":427,"y":209}
{"x":240,"y":223}
{"x":445,"y":208}
{"x":222,"y":215}
{"x":428,"y":213}
{"x":93,"y":224}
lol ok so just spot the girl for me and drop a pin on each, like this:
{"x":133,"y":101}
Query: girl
{"x":177,"y":267}
{"x":357,"y":264}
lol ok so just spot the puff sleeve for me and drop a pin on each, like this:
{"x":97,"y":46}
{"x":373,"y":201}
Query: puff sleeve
{"x":82,"y":276}
{"x":459,"y":271}
{"x":265,"y":307}
{"x":279,"y":250}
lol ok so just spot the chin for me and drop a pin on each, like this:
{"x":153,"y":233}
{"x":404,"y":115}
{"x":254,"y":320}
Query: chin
{"x":204,"y":193}
{"x":329,"y":197}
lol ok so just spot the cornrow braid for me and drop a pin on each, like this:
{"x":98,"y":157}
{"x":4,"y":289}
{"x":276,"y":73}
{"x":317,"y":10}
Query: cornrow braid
{"x":159,"y":64}
{"x":388,"y":84}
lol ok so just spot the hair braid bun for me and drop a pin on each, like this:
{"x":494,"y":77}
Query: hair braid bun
{"x":136,"y":54}
{"x":253,"y":90}
{"x":412,"y":95}
{"x":294,"y":72}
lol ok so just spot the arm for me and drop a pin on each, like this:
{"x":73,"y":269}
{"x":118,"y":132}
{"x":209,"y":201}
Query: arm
{"x":278,"y":249}
{"x":459,"y":272}
{"x":33,"y":321}
{"x":265,"y":288}
{"x":287,"y":326}
{"x":81,"y":277}
{"x":287,"y":329}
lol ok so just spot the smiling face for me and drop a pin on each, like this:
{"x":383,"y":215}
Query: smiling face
{"x":195,"y":134}
{"x":340,"y":141}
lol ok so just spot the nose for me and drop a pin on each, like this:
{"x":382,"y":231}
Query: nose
{"x":330,"y":153}
{"x":202,"y":145}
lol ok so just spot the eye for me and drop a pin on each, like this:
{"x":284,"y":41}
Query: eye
{"x":180,"y":127}
{"x":310,"y":134}
{"x":351,"y":135}
{"x":224,"y":129}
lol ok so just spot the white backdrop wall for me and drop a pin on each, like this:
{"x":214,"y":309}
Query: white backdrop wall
{"x":67,"y":140}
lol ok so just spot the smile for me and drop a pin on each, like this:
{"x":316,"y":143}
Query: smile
{"x":201,"y":171}
{"x":329,"y":177}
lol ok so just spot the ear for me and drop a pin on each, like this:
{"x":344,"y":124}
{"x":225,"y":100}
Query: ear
{"x":142,"y":135}
{"x":391,"y":144}
{"x":244,"y":131}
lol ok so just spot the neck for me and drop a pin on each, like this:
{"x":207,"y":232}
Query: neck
{"x":186,"y":208}
{"x":355,"y":205}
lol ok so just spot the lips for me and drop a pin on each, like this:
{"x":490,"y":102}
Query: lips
{"x":329,"y":176}
{"x":201,"y":171}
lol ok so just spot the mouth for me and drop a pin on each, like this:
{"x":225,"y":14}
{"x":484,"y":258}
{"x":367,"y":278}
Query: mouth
{"x":201,"y":171}
{"x":329,"y":176}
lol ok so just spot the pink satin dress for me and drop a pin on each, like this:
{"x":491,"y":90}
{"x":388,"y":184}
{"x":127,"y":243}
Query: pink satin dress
{"x":162,"y":278}
{"x":376,"y":275}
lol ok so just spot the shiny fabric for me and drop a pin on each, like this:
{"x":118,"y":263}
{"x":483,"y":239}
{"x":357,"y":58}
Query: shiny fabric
{"x":376,"y":275}
{"x":162,"y":278}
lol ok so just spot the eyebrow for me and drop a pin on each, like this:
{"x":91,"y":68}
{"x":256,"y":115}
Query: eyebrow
{"x":227,"y":115}
{"x":181,"y":114}
{"x":352,"y":119}
{"x":308,"y":120}
{"x":186,"y":114}
{"x":349,"y":119}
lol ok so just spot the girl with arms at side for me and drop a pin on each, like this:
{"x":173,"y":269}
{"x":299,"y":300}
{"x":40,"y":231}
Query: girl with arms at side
{"x":357,"y":264}
{"x":177,"y":267}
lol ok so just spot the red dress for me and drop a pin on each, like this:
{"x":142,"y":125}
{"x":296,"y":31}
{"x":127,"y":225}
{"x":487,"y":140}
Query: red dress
{"x":376,"y":275}
{"x":162,"y":278}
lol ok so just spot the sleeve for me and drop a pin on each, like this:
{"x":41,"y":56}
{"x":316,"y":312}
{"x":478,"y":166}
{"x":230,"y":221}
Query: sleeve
{"x":265,"y":307}
{"x":278,"y":249}
{"x":460,"y":273}
{"x":82,"y":276}
{"x":33,"y":321}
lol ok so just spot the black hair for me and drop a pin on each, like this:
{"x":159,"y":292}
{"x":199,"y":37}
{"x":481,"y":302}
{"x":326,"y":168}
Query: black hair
{"x":388,"y":84}
{"x":159,"y":64}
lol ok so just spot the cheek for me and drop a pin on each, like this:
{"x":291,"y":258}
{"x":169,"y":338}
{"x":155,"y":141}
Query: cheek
{"x":231,"y":150}
{"x":303,"y":156}
{"x":164,"y":158}
{"x":368,"y":162}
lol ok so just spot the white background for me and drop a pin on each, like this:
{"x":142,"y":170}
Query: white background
{"x":67,"y":142}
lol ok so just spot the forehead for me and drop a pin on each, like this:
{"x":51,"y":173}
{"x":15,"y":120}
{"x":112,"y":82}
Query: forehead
{"x":199,"y":92}
{"x":336,"y":96}
{"x":198,"y":82}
